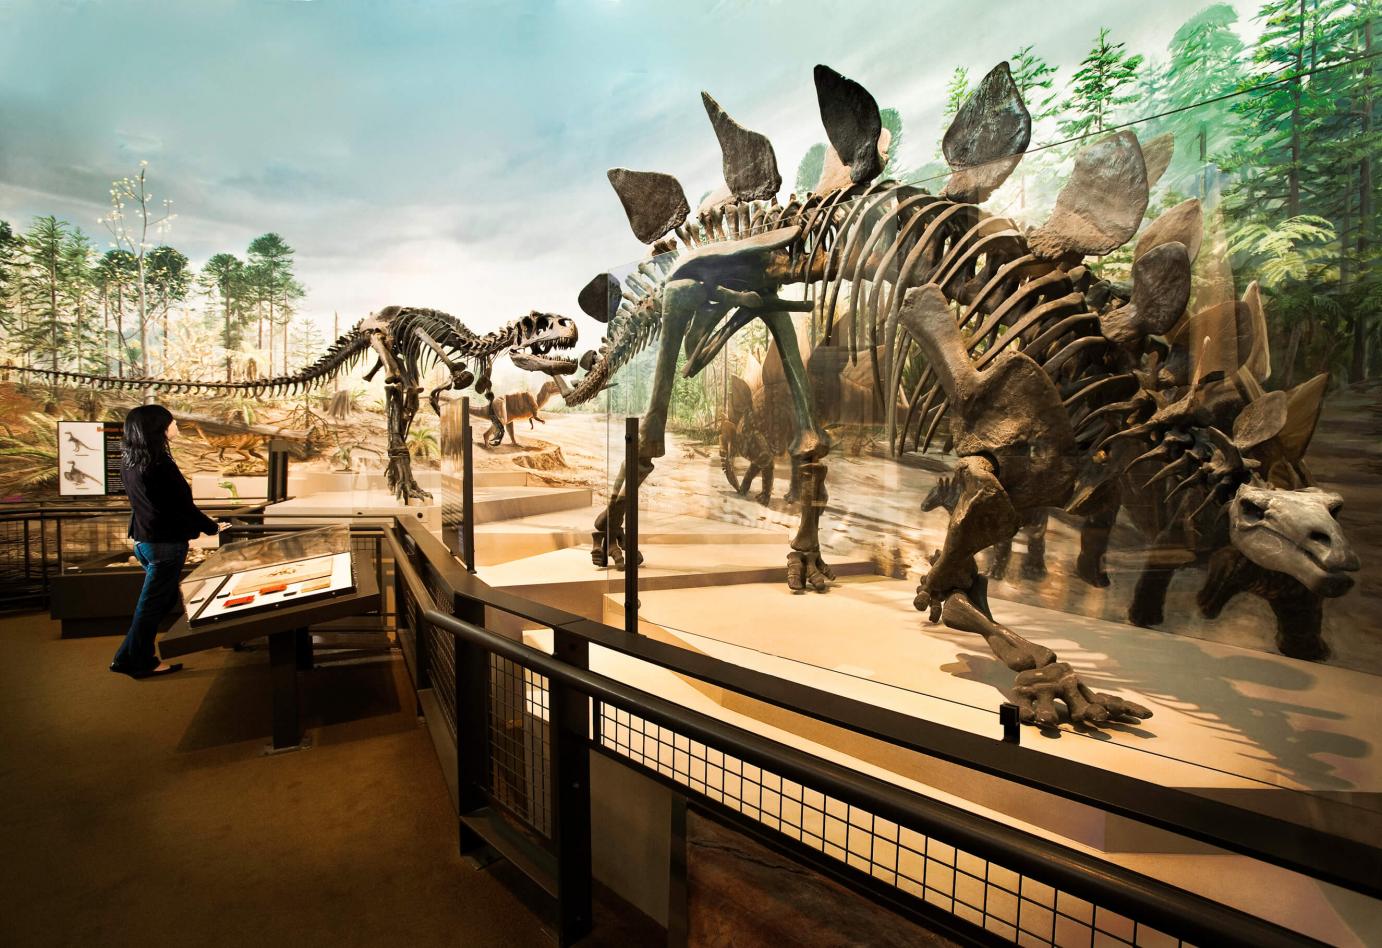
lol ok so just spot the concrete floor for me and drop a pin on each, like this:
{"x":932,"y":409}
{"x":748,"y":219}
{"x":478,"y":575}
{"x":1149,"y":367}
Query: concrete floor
{"x":144,"y":813}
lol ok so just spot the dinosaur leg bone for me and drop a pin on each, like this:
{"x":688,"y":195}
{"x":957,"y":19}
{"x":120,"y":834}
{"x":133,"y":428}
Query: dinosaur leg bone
{"x":400,"y":405}
{"x":810,"y":445}
{"x":498,"y":419}
{"x":1034,"y":563}
{"x":983,"y":516}
{"x":681,"y":299}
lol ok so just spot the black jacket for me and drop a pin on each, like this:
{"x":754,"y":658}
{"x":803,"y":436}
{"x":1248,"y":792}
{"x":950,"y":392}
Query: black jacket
{"x":161,"y":505}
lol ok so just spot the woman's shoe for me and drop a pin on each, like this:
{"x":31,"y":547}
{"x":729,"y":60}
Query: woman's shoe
{"x":163,"y":670}
{"x":120,"y":669}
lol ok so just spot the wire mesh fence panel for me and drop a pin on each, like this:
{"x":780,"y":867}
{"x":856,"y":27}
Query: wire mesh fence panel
{"x":520,"y":742}
{"x":1016,"y":907}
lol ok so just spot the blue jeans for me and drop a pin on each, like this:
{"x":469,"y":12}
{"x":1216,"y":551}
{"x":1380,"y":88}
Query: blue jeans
{"x":162,"y":564}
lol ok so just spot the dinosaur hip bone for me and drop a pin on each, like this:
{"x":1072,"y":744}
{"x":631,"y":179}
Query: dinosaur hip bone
{"x":1011,"y":412}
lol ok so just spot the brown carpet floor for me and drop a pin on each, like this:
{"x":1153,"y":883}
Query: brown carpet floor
{"x":144,"y":812}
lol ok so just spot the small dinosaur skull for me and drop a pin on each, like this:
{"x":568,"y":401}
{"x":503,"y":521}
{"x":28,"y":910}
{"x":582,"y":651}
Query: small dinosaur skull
{"x":1294,"y":532}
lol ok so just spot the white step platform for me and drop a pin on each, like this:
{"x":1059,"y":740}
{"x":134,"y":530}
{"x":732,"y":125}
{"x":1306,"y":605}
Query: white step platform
{"x":302,"y":483}
{"x":504,"y":541}
{"x":503,"y":497}
{"x":566,"y":579}
{"x":376,"y":505}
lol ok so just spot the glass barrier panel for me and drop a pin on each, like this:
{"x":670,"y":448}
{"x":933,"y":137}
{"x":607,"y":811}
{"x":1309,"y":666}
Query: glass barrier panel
{"x":1155,"y":427}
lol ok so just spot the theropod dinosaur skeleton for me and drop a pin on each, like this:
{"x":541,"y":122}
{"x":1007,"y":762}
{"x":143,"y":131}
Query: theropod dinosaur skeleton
{"x":406,"y":342}
{"x":1062,"y":390}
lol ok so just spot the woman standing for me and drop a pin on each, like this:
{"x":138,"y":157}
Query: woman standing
{"x":163,"y":518}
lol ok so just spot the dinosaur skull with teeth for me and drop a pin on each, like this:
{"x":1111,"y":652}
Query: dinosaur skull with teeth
{"x":537,"y":335}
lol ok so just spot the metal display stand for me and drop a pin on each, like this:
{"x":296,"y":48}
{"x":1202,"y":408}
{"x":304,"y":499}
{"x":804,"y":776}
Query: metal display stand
{"x":290,"y":643}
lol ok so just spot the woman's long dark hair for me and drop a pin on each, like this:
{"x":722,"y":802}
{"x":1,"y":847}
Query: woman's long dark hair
{"x":146,"y":436}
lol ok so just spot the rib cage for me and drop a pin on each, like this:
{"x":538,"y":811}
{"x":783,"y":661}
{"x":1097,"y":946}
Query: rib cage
{"x":879,"y":240}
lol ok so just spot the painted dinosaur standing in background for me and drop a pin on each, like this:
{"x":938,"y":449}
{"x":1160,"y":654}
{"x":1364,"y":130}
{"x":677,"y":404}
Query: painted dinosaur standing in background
{"x":515,"y":407}
{"x":406,"y":342}
{"x":1050,"y":377}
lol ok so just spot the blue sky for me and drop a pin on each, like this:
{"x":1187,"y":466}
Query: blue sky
{"x":453,"y":154}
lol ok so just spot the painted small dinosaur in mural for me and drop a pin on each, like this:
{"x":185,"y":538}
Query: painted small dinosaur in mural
{"x":405,"y":342}
{"x":515,"y":407}
{"x":1061,"y":390}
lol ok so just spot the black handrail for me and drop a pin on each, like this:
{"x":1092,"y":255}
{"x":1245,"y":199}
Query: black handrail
{"x":1165,"y":907}
{"x":1303,"y":848}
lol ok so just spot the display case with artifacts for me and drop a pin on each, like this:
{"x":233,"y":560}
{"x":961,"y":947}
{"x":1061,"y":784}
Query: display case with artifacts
{"x":263,"y":574}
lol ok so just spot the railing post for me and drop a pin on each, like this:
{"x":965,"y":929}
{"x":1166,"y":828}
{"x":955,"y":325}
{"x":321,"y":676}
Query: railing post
{"x":631,"y":555}
{"x":278,"y":471}
{"x":568,"y":721}
{"x":43,"y":549}
{"x":472,"y":724}
{"x":467,"y":488}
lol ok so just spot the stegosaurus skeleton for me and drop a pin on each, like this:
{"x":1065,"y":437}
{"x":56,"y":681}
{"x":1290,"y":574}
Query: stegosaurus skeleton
{"x":1061,"y":389}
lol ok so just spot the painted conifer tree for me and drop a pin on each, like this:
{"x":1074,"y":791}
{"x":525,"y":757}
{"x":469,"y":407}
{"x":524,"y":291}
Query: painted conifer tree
{"x":1100,"y":86}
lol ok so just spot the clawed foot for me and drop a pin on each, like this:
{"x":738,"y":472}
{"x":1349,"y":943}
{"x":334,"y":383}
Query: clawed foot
{"x":1145,"y":616}
{"x":604,"y":556}
{"x":792,"y":496}
{"x":1038,"y":690}
{"x":764,"y":498}
{"x":410,"y":492}
{"x":1036,"y":569}
{"x":808,"y":569}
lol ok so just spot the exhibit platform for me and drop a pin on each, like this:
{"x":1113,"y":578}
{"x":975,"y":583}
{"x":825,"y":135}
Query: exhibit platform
{"x":1254,"y":729}
{"x":1261,"y":731}
{"x":513,"y":539}
{"x":498,"y":496}
{"x":566,"y":579}
{"x":1325,"y":912}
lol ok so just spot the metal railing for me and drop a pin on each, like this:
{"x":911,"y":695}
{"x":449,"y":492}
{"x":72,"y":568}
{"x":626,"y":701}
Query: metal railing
{"x":36,"y":540}
{"x":522,"y":724}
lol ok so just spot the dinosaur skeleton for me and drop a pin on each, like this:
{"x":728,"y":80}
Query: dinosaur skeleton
{"x":1061,"y":390}
{"x":406,"y":343}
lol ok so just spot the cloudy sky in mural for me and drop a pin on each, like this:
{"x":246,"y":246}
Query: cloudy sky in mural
{"x":451,"y":154}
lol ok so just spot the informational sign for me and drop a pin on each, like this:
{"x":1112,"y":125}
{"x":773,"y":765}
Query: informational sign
{"x":89,"y":458}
